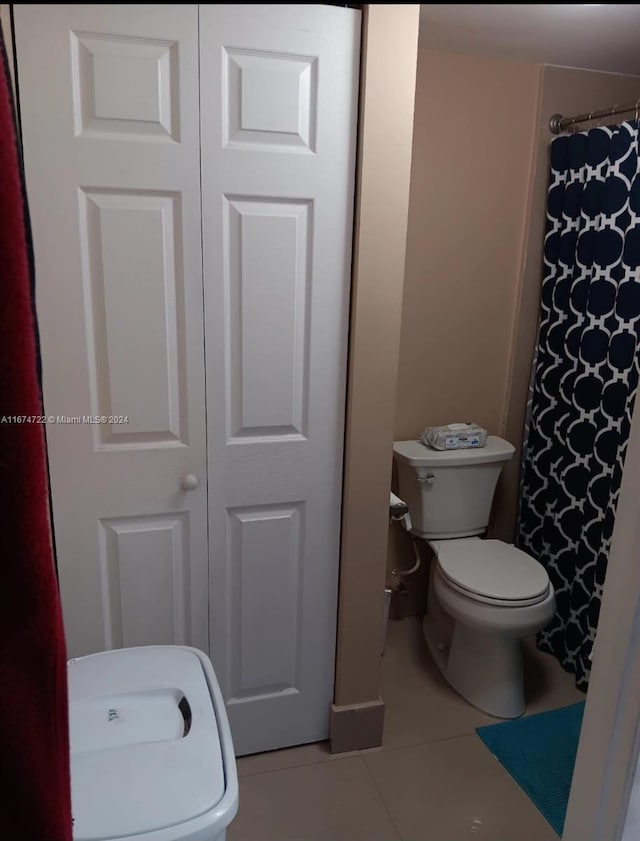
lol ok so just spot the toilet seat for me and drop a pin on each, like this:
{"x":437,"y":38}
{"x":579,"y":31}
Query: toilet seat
{"x":491,"y":572}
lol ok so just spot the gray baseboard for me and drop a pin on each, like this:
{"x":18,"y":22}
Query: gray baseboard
{"x":356,"y":726}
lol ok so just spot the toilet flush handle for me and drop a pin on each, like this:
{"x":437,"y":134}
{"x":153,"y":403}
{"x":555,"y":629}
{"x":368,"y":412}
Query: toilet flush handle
{"x":429,"y":478}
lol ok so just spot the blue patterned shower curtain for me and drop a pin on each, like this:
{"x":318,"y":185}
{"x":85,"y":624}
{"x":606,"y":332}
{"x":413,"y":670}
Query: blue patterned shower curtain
{"x":584,"y":379}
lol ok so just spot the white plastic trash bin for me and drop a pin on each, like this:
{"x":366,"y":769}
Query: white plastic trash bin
{"x":151,"y":752}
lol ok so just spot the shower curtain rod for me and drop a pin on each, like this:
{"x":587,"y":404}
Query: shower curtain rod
{"x":558,"y":123}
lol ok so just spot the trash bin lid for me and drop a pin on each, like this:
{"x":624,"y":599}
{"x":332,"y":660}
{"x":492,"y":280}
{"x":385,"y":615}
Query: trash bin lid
{"x":145,"y":748}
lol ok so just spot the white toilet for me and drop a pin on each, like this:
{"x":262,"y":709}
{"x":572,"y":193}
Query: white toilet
{"x":485,"y":596}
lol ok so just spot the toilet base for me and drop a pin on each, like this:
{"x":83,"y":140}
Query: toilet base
{"x":486,"y":669}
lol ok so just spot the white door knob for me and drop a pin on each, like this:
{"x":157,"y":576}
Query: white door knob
{"x":189,"y":482}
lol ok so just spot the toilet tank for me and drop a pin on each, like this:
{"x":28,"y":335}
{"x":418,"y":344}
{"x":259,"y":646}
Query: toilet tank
{"x":449,"y":492}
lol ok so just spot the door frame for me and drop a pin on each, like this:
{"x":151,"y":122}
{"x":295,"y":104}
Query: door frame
{"x":610,"y":737}
{"x":7,"y":32}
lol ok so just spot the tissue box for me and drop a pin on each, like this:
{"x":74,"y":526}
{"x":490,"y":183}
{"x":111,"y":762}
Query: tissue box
{"x":454,"y":436}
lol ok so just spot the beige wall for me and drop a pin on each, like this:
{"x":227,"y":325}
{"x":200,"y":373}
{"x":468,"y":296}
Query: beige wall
{"x":384,"y":161}
{"x":473,"y":140}
{"x":472,"y":157}
{"x":565,"y":91}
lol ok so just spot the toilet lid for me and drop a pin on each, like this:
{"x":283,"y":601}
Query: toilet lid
{"x":491,"y":569}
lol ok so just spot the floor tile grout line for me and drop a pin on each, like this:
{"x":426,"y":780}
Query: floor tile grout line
{"x":421,"y":743}
{"x":382,"y":800}
{"x":361,"y":753}
{"x":335,"y":758}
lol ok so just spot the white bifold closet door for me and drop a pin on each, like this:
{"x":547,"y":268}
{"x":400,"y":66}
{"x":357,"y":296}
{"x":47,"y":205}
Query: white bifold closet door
{"x":278,"y":107}
{"x":190,"y":223}
{"x":109,"y":108}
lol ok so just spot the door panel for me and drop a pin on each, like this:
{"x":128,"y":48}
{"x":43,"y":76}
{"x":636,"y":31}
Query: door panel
{"x":136,"y":553}
{"x":131,"y":244}
{"x":268,"y":325}
{"x":278,"y":112}
{"x":125,"y":87}
{"x":109,"y":103}
{"x":269,"y":99}
{"x":265,"y":607}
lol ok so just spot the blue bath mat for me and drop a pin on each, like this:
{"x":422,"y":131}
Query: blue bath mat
{"x":539,"y":751}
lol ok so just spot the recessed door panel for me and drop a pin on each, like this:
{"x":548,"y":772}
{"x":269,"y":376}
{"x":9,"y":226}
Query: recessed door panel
{"x":125,"y":88}
{"x":133,"y":276}
{"x":268,"y":260}
{"x":265,"y":553}
{"x":140,"y":557}
{"x":269,"y":100}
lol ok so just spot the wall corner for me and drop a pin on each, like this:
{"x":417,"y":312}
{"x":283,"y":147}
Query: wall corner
{"x":388,"y":75}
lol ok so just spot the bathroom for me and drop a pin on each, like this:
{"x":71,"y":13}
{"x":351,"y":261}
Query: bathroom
{"x":442,"y":333}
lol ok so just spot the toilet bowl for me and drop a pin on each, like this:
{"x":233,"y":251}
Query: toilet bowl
{"x":485,"y":596}
{"x":479,"y":651}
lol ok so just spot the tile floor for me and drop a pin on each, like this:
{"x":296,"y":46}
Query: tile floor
{"x":432,"y":779}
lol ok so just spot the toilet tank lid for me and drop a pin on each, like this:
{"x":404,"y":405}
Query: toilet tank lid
{"x":147,"y":742}
{"x":417,"y":454}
